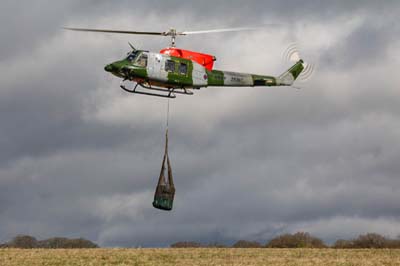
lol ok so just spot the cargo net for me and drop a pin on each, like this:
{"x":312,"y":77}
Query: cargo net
{"x":165,"y":191}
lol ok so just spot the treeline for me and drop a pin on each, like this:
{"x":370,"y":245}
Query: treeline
{"x":304,"y":240}
{"x":368,"y":241}
{"x":24,"y":241}
{"x":297,"y":240}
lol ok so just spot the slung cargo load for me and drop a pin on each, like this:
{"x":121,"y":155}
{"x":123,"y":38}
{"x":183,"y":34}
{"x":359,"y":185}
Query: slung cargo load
{"x":165,"y":191}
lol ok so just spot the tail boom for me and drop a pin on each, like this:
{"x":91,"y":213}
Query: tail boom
{"x":234,"y":79}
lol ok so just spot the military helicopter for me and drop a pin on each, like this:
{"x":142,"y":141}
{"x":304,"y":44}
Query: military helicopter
{"x":177,"y":71}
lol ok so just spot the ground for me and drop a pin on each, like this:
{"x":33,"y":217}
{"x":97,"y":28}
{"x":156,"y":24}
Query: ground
{"x":206,"y":257}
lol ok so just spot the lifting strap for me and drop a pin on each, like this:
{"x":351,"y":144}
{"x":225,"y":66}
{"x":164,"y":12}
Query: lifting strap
{"x":162,"y":180}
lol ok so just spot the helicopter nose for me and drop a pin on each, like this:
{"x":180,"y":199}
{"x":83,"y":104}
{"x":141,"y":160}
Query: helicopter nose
{"x":109,"y":68}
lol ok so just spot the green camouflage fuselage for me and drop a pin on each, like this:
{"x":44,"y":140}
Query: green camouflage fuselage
{"x":175,"y":72}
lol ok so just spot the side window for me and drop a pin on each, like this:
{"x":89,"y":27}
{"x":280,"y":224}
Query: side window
{"x":142,"y":61}
{"x":170,"y":66}
{"x":183,"y":69}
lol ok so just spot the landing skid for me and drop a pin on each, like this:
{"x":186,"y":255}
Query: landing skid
{"x":167,"y":92}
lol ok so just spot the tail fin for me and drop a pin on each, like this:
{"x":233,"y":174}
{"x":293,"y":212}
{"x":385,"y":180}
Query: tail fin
{"x":287,"y":78}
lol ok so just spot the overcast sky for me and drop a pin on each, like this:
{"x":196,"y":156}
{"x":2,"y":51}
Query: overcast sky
{"x":80,"y":157}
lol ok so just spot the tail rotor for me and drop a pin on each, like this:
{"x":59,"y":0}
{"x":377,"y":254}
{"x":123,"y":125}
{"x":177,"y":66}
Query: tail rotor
{"x":292,"y":54}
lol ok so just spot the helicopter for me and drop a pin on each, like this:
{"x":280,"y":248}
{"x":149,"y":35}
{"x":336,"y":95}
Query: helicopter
{"x":178,"y":71}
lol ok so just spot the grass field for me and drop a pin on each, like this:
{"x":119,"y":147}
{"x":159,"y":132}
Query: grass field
{"x":202,"y":256}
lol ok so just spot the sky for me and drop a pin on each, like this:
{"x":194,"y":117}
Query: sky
{"x":81,"y":158}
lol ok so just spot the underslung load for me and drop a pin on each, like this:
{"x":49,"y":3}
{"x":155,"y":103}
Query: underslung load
{"x":165,"y":191}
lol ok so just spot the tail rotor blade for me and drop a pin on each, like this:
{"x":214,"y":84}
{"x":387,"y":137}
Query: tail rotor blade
{"x":307,"y":73}
{"x":292,"y":54}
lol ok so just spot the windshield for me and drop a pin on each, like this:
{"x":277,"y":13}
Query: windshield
{"x":137,"y":58}
{"x":132,"y":56}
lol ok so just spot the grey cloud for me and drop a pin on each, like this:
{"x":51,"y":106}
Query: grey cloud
{"x":368,"y":44}
{"x":81,"y":158}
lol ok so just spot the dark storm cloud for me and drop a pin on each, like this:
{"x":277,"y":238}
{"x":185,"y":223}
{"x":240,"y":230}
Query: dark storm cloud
{"x":25,"y":24}
{"x":209,"y":9}
{"x":368,"y":44}
{"x":81,"y":158}
{"x":45,"y":114}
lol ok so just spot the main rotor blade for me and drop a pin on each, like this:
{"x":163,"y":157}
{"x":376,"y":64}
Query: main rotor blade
{"x":225,"y":30}
{"x":118,"y":31}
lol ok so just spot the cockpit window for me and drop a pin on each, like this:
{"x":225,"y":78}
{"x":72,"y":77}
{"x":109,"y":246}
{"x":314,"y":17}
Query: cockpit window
{"x":132,"y":56}
{"x":137,"y":58}
{"x":142,"y":60}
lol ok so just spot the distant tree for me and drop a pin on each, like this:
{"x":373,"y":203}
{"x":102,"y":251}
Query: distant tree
{"x":80,"y":243}
{"x":247,"y":244}
{"x":298,"y":240}
{"x":370,"y":240}
{"x":393,"y":243}
{"x":186,"y":245}
{"x":55,"y":242}
{"x":216,"y":245}
{"x":62,"y":242}
{"x":342,"y":243}
{"x":23,"y":241}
